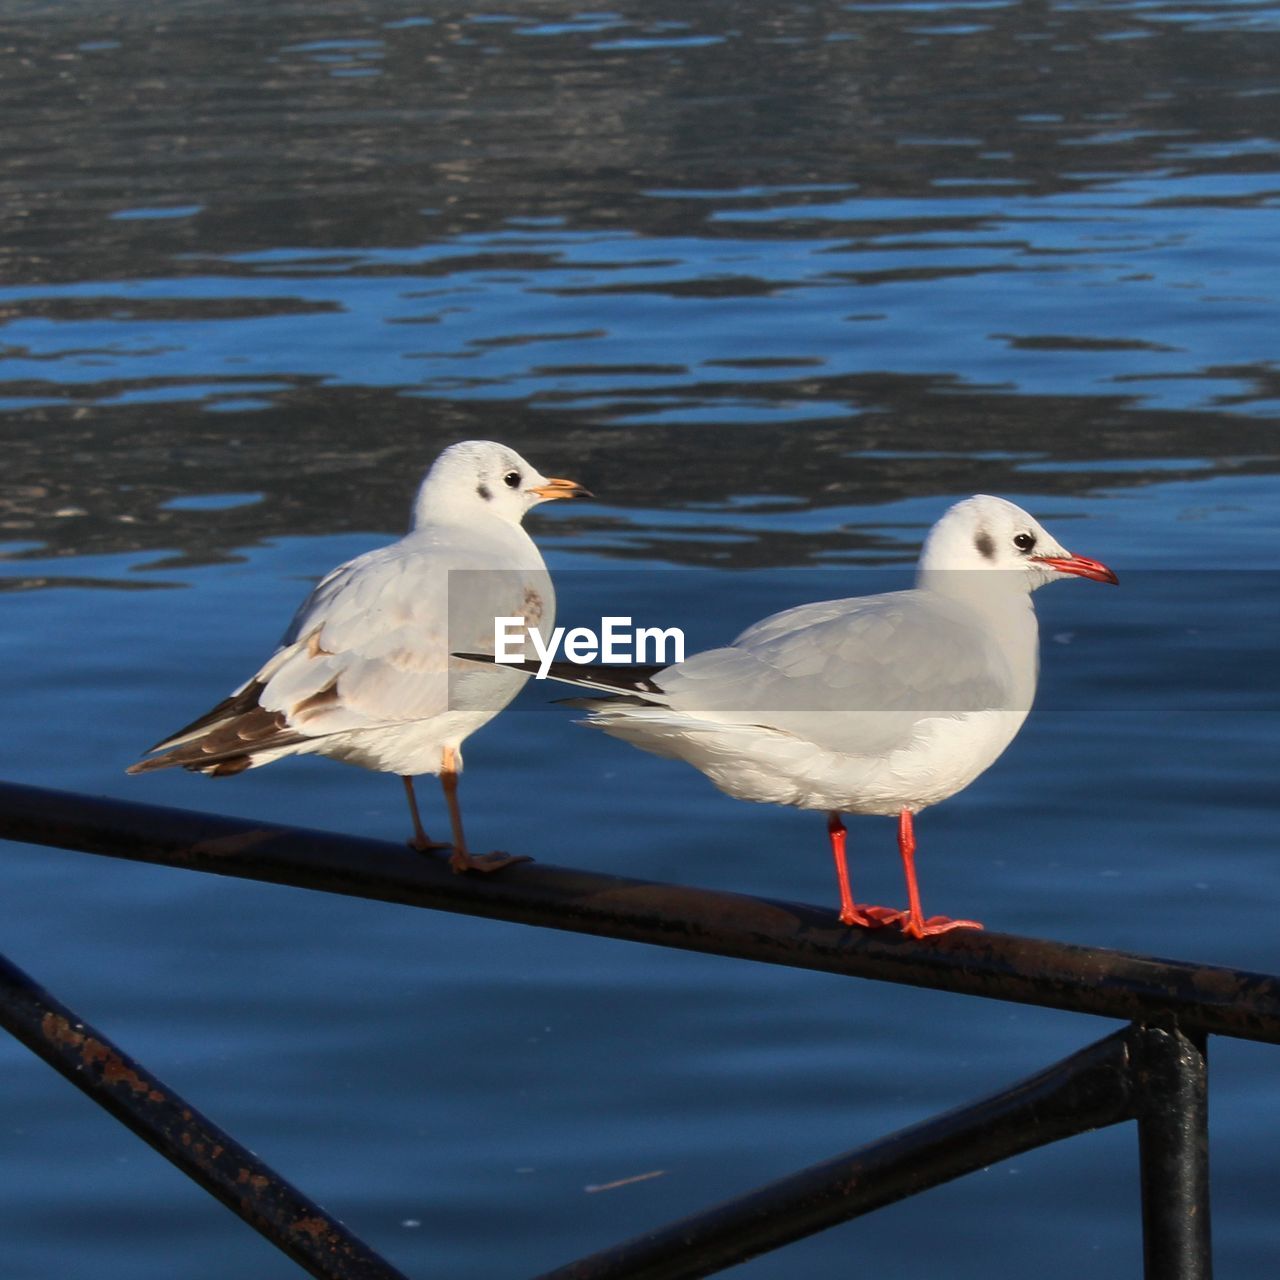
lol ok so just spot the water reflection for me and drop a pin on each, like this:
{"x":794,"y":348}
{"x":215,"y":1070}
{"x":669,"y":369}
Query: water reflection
{"x":325,"y":460}
{"x":869,"y":239}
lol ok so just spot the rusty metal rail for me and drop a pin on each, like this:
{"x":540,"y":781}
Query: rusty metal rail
{"x":207,"y":1155}
{"x":1104,"y":1084}
{"x":1114,"y":984}
{"x":1154,"y":1073}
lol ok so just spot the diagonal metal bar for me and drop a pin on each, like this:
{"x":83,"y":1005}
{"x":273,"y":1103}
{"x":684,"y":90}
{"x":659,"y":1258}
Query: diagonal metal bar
{"x":1114,"y":984}
{"x":1088,"y":1090}
{"x":1172,"y":1092}
{"x":250,"y":1189}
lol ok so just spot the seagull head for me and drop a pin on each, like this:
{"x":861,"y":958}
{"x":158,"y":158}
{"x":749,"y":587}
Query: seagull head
{"x":983,"y":532}
{"x":482,"y":477}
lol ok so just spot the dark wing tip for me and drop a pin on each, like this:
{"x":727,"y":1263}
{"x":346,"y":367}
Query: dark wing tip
{"x":487,"y":658}
{"x":613,"y":679}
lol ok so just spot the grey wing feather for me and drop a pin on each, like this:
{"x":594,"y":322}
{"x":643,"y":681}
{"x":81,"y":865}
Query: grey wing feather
{"x":855,"y":675}
{"x":794,"y":619}
{"x":370,"y":646}
{"x":380,"y":629}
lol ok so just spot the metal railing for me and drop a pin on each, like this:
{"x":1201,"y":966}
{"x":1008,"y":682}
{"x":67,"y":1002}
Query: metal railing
{"x":1153,"y":1071}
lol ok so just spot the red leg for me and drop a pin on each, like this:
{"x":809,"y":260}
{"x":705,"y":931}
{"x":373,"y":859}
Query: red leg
{"x":914,"y":925}
{"x":850,"y":912}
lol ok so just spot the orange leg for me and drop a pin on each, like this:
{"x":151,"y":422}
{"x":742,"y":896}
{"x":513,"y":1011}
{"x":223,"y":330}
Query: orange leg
{"x":460,"y":860}
{"x":914,"y":925}
{"x":850,"y":912}
{"x":421,"y":841}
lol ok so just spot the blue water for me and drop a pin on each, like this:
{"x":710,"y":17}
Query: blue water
{"x":779,"y":283}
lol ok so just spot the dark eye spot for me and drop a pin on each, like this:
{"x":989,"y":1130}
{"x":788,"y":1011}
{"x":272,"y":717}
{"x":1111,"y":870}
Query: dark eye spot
{"x":1024,"y":541}
{"x":483,"y":490}
{"x":512,"y":479}
{"x":985,"y":544}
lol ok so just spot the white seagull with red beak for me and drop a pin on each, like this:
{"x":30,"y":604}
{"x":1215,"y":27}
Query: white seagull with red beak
{"x":364,"y":674}
{"x":880,"y":704}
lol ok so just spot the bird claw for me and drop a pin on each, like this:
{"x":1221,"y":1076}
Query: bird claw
{"x":935,"y":925}
{"x":427,"y":845}
{"x":870,"y":917}
{"x":461,"y":861}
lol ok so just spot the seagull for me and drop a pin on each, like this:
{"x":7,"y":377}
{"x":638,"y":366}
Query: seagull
{"x":364,"y":673}
{"x":881,"y":704}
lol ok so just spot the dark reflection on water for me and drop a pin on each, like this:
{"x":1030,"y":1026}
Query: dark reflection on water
{"x":896,"y":248}
{"x":465,"y":120}
{"x":778,"y":281}
{"x":326,"y":460}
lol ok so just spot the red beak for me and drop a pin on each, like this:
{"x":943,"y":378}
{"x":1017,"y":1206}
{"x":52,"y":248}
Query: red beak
{"x":1081,"y":567}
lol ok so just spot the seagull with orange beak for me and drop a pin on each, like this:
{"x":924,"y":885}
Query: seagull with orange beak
{"x":363,"y":673}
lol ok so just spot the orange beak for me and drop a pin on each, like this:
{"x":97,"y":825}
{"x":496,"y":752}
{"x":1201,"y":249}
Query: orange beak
{"x":1081,"y":567}
{"x":555,"y":488}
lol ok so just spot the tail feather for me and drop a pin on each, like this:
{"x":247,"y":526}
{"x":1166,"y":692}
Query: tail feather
{"x":240,"y":703}
{"x":220,"y":766}
{"x":225,"y":740}
{"x":612,"y":679}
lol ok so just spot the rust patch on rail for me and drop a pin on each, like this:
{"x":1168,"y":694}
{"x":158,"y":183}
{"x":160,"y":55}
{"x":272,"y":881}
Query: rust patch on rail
{"x":93,"y":1053}
{"x":683,"y":908}
{"x":229,"y":846}
{"x":1219,"y":984}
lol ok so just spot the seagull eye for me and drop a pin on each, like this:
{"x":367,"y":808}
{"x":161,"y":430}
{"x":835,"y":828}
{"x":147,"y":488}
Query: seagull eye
{"x":1024,"y":541}
{"x":512,"y":479}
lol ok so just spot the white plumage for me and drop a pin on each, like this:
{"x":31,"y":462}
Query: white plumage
{"x":363,"y":673}
{"x":880,"y":704}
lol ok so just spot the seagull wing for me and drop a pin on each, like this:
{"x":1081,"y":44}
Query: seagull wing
{"x":370,"y":647}
{"x":856,"y":676}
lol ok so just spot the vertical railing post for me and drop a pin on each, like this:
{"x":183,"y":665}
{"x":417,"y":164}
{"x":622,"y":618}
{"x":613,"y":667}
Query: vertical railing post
{"x":1172,"y":1079}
